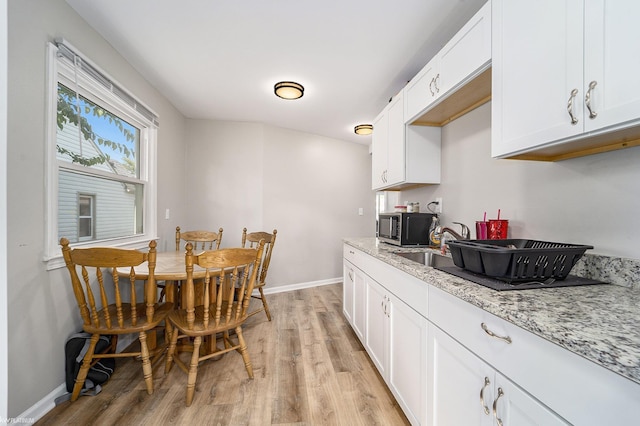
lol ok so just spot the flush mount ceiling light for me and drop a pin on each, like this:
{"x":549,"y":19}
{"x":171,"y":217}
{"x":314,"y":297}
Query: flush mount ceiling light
{"x":363,"y":129}
{"x":288,"y":90}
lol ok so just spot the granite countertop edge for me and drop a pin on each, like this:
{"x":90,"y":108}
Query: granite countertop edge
{"x":599,"y":323}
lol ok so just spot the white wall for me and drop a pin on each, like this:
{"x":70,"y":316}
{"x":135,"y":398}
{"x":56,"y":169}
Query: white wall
{"x":590,"y":200}
{"x":308,"y":187}
{"x":42,"y":312}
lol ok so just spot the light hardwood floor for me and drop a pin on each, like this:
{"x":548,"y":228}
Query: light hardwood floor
{"x":309,"y":368}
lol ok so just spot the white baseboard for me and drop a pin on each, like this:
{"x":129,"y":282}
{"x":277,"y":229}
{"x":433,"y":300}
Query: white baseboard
{"x":46,"y":404}
{"x":291,"y":287}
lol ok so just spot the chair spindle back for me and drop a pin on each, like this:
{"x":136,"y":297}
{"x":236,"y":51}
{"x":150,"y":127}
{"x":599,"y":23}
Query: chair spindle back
{"x":92,"y":262}
{"x":230,"y":277}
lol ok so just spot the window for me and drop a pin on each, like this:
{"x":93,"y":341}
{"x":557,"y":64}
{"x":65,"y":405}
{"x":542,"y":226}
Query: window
{"x":101,"y":148}
{"x":85,"y":217}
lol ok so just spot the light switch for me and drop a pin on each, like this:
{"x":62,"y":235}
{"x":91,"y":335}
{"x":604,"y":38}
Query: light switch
{"x":360,"y":211}
{"x":167,"y":214}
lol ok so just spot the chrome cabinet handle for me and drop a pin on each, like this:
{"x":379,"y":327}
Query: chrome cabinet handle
{"x":487,"y":382}
{"x":574,"y":120}
{"x":350,"y":276}
{"x":587,"y":100}
{"x":435,"y":83}
{"x":492,"y":334}
{"x":433,"y":80}
{"x":495,"y":407}
{"x":384,"y":308}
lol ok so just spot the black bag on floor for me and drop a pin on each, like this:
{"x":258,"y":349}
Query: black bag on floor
{"x":75,"y":349}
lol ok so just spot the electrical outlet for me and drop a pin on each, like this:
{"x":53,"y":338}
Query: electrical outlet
{"x":439,"y":205}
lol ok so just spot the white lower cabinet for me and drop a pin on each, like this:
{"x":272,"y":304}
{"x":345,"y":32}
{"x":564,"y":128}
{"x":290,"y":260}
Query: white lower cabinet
{"x":348,"y":279}
{"x":353,"y":298}
{"x":376,"y":339}
{"x":449,"y":362}
{"x":396,"y":341}
{"x":465,"y":390}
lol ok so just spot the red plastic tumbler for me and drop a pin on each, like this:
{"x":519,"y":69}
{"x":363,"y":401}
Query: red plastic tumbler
{"x":498,"y":229}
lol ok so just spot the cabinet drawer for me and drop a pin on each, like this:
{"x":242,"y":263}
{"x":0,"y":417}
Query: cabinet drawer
{"x":575,"y":388}
{"x":353,"y":255}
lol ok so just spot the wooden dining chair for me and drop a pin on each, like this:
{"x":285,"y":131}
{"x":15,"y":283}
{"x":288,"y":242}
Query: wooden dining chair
{"x":251,"y":240}
{"x":109,"y":305}
{"x":201,"y":240}
{"x":231,"y":274}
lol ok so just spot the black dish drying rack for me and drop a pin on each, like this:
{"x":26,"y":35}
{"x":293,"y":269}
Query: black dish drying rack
{"x":516,"y":260}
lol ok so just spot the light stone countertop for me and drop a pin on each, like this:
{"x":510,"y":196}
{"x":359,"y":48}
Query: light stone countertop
{"x":600,"y":322}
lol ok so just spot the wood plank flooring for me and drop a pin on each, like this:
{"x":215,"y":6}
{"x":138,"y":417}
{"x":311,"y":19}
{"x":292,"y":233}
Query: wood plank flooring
{"x":309,"y":369}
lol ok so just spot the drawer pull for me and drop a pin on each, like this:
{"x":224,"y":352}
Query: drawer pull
{"x":487,"y":382}
{"x":495,"y":407}
{"x":492,"y":334}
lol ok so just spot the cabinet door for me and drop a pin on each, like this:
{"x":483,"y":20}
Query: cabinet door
{"x":468,"y":51}
{"x":516,"y":407}
{"x":376,"y":331}
{"x":537,"y":61}
{"x":464,"y":390}
{"x":408,"y":359}
{"x":396,"y":141}
{"x":612,"y":62}
{"x":420,"y":91}
{"x":379,"y":143}
{"x":359,"y":303}
{"x":347,"y":291}
{"x":459,"y":393}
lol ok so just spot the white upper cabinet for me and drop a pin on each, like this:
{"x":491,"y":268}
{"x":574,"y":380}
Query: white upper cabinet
{"x":379,"y":149}
{"x":612,"y":62}
{"x":564,"y":77}
{"x":406,"y":134}
{"x":467,"y":52}
{"x":402,"y":155}
{"x":461,"y":60}
{"x":422,"y":90}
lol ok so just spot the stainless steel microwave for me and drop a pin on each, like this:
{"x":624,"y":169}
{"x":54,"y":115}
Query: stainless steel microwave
{"x":404,"y":229}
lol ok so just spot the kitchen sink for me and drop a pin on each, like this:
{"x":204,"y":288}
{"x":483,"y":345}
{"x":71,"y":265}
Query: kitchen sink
{"x":428,"y":258}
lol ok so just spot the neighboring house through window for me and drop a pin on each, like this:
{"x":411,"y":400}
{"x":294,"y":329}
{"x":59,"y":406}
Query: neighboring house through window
{"x":101,"y":159}
{"x":85,"y":217}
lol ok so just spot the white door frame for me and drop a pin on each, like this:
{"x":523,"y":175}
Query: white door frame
{"x":4,"y":342}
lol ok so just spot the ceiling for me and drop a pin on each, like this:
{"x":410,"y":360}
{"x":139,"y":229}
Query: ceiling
{"x":219,"y":59}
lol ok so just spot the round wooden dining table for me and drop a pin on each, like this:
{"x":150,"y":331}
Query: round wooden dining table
{"x":170,"y":267}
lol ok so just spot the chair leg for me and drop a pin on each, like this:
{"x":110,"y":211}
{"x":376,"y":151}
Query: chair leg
{"x":146,"y":363}
{"x":172,"y":349}
{"x":84,"y":368}
{"x":225,"y":339}
{"x":193,"y":370}
{"x":264,"y":303}
{"x":244,"y":352}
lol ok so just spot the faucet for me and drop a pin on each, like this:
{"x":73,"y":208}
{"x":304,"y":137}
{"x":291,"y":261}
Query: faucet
{"x":440,"y":231}
{"x":463,"y":235}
